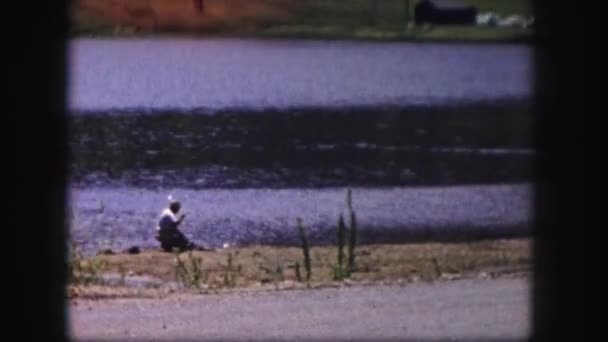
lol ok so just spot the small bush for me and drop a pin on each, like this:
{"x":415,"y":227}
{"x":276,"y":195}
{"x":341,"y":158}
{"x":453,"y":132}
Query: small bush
{"x":230,"y":271}
{"x":305,"y":248}
{"x":353,"y":233}
{"x":339,"y":271}
{"x":82,"y":271}
{"x":189,"y":272}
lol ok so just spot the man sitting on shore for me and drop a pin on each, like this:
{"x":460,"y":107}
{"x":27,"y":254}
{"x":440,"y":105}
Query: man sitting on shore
{"x":167,"y":233}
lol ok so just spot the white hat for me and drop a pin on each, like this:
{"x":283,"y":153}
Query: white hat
{"x":172,"y":200}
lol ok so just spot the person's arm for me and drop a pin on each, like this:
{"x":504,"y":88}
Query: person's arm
{"x":180,"y":219}
{"x":170,"y":220}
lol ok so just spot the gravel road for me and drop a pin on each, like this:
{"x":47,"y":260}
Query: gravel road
{"x":459,"y":309}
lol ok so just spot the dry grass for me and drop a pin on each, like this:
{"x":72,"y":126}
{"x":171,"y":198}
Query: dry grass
{"x":111,"y":292}
{"x":258,"y":265}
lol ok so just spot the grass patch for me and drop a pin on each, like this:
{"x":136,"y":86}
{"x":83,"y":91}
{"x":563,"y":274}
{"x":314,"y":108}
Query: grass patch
{"x":258,"y":265}
{"x":305,"y":251}
{"x":82,"y":270}
{"x":188,"y":272}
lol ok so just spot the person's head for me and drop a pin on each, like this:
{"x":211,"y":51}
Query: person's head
{"x":175,"y":206}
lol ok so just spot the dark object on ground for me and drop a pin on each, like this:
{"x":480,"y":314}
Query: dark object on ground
{"x":204,"y":249}
{"x":133,"y":250}
{"x":428,"y":12}
{"x":106,"y":251}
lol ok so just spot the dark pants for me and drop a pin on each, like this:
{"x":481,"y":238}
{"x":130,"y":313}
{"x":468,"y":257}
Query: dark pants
{"x":171,"y":239}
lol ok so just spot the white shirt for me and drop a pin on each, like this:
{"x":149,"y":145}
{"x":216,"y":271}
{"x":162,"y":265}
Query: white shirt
{"x":167,"y":220}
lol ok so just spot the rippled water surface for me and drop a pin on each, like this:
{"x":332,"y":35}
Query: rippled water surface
{"x":258,"y":74}
{"x":434,"y":139}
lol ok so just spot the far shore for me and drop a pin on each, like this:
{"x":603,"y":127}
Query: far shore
{"x":326,"y":20}
{"x":426,"y":34}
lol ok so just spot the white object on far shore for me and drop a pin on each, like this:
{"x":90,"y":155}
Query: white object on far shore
{"x":492,"y":19}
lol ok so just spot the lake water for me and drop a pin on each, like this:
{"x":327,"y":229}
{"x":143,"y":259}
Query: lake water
{"x":217,"y":74}
{"x":250,"y":134}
